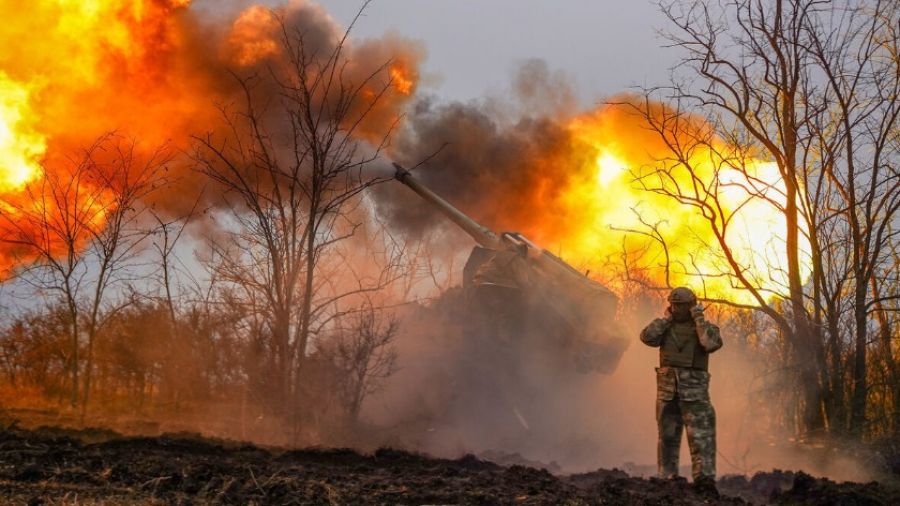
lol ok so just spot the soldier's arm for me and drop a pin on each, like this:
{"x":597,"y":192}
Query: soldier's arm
{"x":710,"y":337}
{"x":653,"y":334}
{"x":708,"y":334}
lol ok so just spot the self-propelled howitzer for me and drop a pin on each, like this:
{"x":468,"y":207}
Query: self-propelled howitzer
{"x":507,"y":277}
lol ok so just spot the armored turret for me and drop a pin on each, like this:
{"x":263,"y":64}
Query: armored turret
{"x":513,"y":285}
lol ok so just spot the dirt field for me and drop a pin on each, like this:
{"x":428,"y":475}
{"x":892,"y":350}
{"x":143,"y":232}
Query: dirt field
{"x":56,"y":466}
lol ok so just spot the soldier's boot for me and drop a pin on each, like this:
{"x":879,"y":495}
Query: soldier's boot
{"x":706,"y":486}
{"x":669,"y":421}
{"x":700,"y":421}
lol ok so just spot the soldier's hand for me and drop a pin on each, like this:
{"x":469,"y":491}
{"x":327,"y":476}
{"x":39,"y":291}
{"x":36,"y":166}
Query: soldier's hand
{"x":697,"y":314}
{"x":662,"y":324}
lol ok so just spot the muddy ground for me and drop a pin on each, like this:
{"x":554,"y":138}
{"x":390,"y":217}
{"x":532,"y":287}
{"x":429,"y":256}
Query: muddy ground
{"x":57,"y":466}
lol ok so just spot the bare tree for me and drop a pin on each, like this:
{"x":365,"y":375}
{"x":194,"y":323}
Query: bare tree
{"x":810,"y":86}
{"x":292,"y":180}
{"x":167,"y":235}
{"x":127,"y":180}
{"x":77,"y":230}
{"x":854,"y":53}
{"x":361,"y":350}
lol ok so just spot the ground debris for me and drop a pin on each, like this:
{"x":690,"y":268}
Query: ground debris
{"x":54,"y":466}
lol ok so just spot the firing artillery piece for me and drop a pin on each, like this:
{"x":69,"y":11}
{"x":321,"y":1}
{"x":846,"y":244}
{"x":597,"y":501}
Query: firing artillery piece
{"x":514,"y":287}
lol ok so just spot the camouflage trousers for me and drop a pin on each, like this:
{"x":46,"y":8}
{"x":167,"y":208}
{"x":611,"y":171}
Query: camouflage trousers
{"x":683,"y":402}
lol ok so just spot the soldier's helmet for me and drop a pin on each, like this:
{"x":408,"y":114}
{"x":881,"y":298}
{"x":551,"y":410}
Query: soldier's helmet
{"x":682,"y":295}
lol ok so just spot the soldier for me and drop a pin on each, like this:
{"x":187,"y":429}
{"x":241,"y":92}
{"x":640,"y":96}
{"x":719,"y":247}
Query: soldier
{"x":685,"y":340}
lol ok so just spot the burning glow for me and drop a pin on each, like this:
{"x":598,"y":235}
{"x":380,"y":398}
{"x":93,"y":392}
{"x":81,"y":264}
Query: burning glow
{"x":149,"y":70}
{"x":75,"y":70}
{"x":603,"y":215}
{"x":401,"y":80}
{"x":252,"y":36}
{"x":609,"y":168}
{"x":20,"y":144}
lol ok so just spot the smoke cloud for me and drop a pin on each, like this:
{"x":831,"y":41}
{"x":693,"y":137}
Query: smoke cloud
{"x":487,"y":157}
{"x":513,"y":399}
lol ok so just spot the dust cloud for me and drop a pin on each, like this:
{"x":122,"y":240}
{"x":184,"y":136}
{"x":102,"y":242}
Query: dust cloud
{"x":514,"y":400}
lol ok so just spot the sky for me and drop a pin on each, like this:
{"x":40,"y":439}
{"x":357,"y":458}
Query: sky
{"x":474,"y":46}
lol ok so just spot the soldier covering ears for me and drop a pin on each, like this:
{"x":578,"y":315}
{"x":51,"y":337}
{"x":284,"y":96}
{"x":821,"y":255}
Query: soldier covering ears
{"x":685,"y":339}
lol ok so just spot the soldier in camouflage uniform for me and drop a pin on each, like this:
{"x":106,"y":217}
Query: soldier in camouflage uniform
{"x":685,"y":340}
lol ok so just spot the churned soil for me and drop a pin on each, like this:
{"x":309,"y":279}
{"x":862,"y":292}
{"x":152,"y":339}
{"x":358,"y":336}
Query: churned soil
{"x":56,"y":466}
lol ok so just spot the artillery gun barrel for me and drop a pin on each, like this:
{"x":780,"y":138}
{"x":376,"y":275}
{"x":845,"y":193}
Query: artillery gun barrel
{"x":482,"y":235}
{"x":582,"y":308}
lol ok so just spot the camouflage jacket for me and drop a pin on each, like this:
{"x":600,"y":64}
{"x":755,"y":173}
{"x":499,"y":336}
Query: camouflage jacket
{"x":683,"y":365}
{"x":708,"y":334}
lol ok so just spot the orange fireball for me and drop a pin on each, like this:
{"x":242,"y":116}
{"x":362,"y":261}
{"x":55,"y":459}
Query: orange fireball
{"x":616,"y":221}
{"x":149,"y":70}
{"x":21,"y":144}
